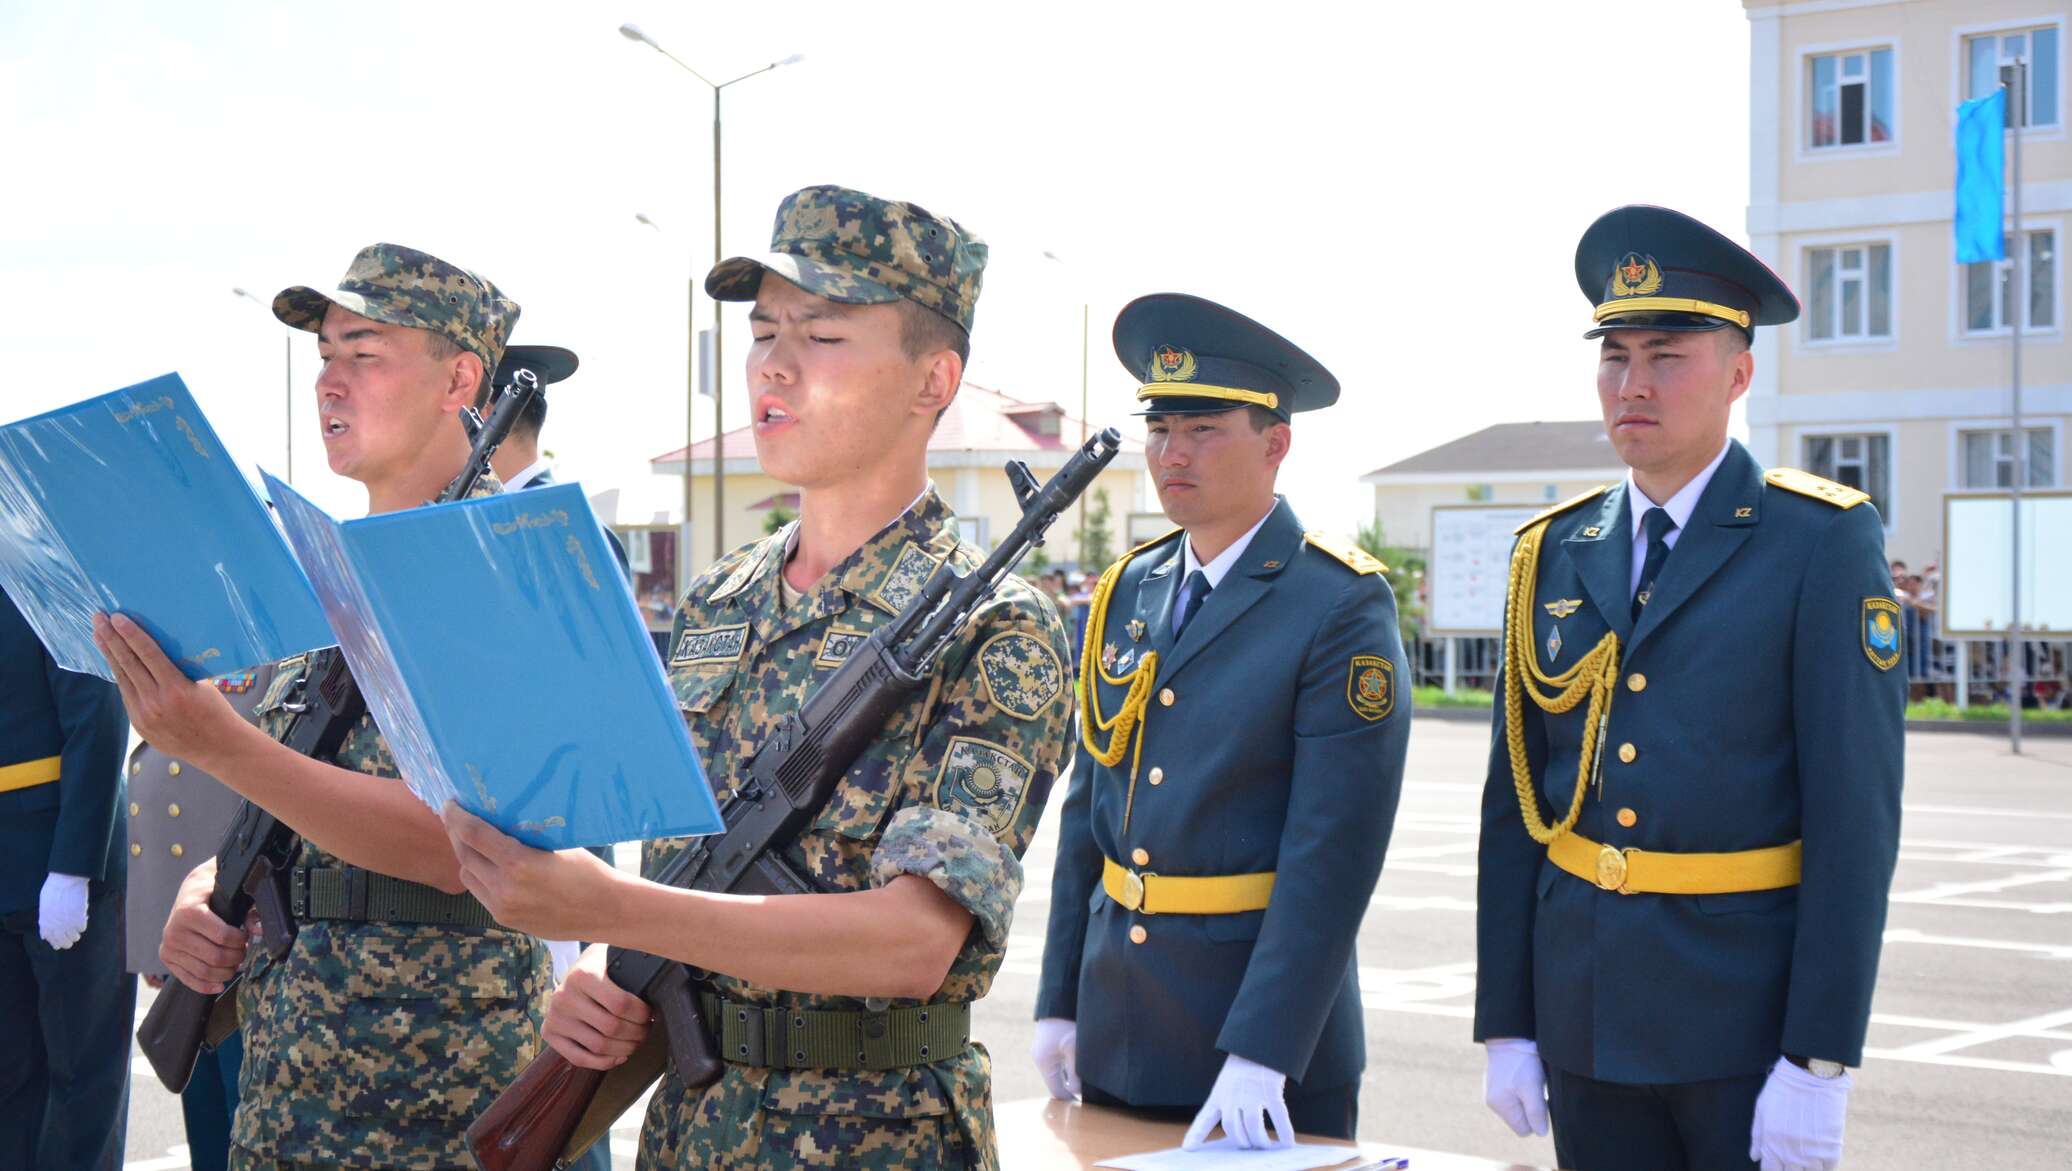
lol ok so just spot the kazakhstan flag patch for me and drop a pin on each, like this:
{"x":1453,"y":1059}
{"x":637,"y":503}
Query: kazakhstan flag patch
{"x":1881,"y":632}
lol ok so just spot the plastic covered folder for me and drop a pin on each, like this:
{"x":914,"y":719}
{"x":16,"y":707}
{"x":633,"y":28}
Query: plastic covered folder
{"x":500,"y":651}
{"x":128,"y":501}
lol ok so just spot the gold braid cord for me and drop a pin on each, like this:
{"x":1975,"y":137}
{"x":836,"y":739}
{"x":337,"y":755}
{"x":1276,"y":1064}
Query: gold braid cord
{"x":1129,"y":718}
{"x":1594,"y":675}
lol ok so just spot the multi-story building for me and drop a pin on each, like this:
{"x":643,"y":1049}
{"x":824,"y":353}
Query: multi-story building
{"x":1896,"y":377}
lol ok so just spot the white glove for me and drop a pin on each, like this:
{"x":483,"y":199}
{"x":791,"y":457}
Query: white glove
{"x":1515,"y":1085}
{"x":1244,"y":1094}
{"x":61,"y":910}
{"x":1798,"y":1120}
{"x":1055,"y":1050}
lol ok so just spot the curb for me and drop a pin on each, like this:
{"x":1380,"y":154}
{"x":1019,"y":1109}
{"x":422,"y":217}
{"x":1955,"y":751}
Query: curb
{"x":1974,"y":727}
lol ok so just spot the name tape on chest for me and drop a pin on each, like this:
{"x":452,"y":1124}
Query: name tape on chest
{"x":712,"y":644}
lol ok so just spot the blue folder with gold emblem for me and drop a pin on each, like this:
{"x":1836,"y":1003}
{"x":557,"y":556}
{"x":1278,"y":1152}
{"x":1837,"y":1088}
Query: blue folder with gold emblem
{"x":128,"y":502}
{"x":503,"y":658}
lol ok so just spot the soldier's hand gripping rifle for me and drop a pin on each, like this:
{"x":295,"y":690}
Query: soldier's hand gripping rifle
{"x":252,"y":863}
{"x":530,"y":1126}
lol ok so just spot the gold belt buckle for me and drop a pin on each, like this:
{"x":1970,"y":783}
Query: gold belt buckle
{"x":1611,"y":870}
{"x":1133,"y":891}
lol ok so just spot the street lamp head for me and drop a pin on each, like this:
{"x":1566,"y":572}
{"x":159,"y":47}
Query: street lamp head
{"x":632,"y":32}
{"x":794,"y":59}
{"x":643,"y":218}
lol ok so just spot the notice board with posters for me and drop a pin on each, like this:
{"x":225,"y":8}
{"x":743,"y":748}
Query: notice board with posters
{"x":1469,"y":567}
{"x":1978,"y":564}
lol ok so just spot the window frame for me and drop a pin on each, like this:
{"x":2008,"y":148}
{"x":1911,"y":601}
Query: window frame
{"x":1837,"y":245}
{"x":1888,"y":508}
{"x":1806,"y":152}
{"x":1960,"y":65}
{"x":1959,"y":428}
{"x":1960,"y":291}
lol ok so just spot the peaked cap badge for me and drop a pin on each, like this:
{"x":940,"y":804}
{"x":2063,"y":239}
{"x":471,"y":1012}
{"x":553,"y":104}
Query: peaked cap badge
{"x":1636,"y":276}
{"x":1172,"y":365}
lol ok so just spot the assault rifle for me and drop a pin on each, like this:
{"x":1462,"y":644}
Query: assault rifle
{"x":253,"y":862}
{"x":554,"y":1109}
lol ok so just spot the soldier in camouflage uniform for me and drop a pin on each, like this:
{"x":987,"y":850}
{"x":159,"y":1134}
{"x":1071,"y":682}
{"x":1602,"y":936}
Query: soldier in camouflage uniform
{"x":401,"y":1009}
{"x":861,"y":319}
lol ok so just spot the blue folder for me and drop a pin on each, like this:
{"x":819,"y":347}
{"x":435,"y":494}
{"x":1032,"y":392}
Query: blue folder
{"x":500,"y":651}
{"x":128,"y":501}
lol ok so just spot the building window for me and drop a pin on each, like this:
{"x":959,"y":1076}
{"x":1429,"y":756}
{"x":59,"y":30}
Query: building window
{"x":1860,"y":461}
{"x":1989,"y":458}
{"x":1851,"y":292}
{"x":1550,"y":491}
{"x":1984,"y":55}
{"x":1481,"y":493}
{"x":1989,"y":288}
{"x":1851,"y":98}
{"x":972,"y":531}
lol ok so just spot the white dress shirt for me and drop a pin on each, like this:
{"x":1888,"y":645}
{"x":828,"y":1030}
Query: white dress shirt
{"x":531,"y":472}
{"x":1679,"y":507}
{"x":1215,"y":571}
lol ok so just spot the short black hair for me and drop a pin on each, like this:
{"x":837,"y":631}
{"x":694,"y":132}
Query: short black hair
{"x":924,"y":331}
{"x":1733,"y":342}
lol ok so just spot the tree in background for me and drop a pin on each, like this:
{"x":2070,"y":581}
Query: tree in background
{"x":1406,"y":578}
{"x":1096,"y":543}
{"x":777,"y":518}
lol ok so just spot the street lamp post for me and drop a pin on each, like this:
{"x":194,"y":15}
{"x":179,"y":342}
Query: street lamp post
{"x":287,"y":387}
{"x":719,"y":464}
{"x":690,"y":413}
{"x":1084,"y":310}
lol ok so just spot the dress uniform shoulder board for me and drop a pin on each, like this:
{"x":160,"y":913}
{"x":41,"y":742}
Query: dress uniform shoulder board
{"x":1346,"y":553}
{"x":1819,"y":488}
{"x":1564,"y":506}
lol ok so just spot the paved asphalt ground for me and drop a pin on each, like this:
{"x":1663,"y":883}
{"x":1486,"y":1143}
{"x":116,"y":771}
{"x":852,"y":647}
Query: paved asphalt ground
{"x":1970,"y":1062}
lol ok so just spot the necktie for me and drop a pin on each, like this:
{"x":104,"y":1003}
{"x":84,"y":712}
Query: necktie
{"x":1197,"y":588}
{"x":1658,"y":526}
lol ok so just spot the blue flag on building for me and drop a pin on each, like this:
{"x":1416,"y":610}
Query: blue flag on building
{"x":1981,"y":191}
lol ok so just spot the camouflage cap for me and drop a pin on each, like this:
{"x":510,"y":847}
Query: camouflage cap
{"x":402,"y":286}
{"x":861,"y":250}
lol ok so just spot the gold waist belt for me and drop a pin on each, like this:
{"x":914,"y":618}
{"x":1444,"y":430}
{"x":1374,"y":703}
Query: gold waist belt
{"x":1636,"y":872}
{"x":28,"y":774}
{"x":1186,"y":894}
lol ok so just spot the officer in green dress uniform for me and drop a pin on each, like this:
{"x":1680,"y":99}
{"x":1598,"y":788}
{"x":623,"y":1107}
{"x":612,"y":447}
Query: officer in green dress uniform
{"x":1692,"y":810}
{"x":1242,"y":754}
{"x":402,"y":1007}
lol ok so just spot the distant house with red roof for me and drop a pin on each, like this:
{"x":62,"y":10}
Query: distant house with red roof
{"x":982,"y":429}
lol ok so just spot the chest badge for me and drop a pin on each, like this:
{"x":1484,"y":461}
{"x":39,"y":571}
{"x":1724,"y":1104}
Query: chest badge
{"x":1563,"y":607}
{"x":1553,"y":644}
{"x":1108,"y":653}
{"x":1123,"y":661}
{"x":1136,"y":629}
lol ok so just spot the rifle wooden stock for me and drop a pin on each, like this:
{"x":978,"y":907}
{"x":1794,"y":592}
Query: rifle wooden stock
{"x":527,"y":1126}
{"x":173,"y":1030}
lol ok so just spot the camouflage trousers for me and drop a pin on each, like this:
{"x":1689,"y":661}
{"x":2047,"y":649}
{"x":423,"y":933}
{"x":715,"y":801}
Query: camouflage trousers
{"x":242,"y":1159}
{"x":938,"y":1121}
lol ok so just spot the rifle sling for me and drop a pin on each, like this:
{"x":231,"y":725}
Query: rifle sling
{"x":352,"y":895}
{"x":784,"y":1038}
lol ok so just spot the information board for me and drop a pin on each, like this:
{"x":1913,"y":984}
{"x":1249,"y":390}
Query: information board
{"x":1469,"y":566}
{"x":1978,"y":564}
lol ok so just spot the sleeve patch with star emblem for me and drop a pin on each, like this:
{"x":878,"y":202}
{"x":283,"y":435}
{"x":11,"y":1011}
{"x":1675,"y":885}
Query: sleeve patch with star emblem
{"x":983,"y":781}
{"x":1022,"y":675}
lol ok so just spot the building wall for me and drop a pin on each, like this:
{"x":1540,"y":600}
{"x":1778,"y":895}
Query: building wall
{"x":1928,"y":380}
{"x":1405,"y":510}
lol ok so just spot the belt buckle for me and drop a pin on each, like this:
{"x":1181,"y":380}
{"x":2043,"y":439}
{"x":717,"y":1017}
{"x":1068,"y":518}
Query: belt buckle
{"x":1611,"y":870}
{"x":1133,"y":892}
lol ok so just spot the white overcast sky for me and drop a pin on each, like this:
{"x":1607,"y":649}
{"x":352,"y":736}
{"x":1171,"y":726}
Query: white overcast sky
{"x":1397,"y":188}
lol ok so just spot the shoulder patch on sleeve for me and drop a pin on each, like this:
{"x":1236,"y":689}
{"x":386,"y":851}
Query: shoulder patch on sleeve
{"x":983,"y":781}
{"x":1881,"y":625}
{"x":1346,"y":553}
{"x":1023,"y":676}
{"x":1808,"y":484}
{"x":1564,"y":506}
{"x":1370,"y":687}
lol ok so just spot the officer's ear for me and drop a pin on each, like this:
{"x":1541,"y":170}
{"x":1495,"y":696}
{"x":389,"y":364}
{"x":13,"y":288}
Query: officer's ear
{"x":1733,"y":348}
{"x":1279,"y":438}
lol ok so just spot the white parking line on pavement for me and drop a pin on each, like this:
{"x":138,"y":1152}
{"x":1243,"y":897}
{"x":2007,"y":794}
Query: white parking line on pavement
{"x":1911,"y":935}
{"x":1987,"y":811}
